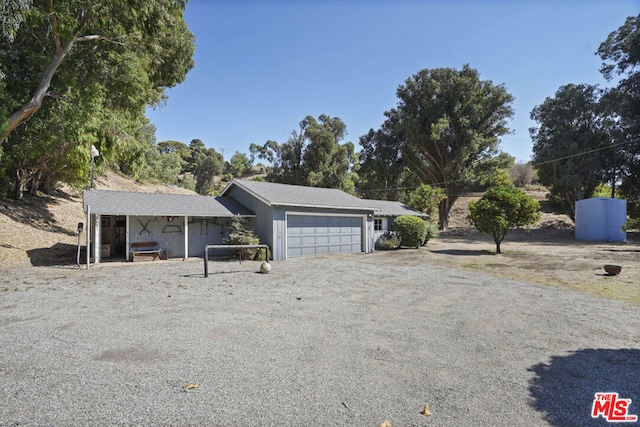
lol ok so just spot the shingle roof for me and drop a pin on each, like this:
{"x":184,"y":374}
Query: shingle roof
{"x":389,"y":208}
{"x":158,"y":204}
{"x":298,"y":195}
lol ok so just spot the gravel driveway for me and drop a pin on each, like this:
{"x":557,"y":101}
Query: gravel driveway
{"x":343,"y":341}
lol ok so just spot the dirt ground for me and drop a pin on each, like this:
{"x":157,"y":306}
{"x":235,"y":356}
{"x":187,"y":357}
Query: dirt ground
{"x":42,"y":231}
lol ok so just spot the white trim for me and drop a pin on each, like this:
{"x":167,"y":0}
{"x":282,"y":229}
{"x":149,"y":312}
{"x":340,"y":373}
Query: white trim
{"x":88,"y":230}
{"x":127,"y":238}
{"x":186,"y":238}
{"x":363,"y":235}
{"x":97,"y":237}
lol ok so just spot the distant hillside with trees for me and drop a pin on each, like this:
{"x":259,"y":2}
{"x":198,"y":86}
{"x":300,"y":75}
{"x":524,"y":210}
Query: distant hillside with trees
{"x":76,"y":74}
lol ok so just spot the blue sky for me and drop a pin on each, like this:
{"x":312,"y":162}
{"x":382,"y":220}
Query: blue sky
{"x":262,"y":66}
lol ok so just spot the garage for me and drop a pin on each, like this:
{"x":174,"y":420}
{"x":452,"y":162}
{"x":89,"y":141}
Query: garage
{"x":309,"y":235}
{"x":299,"y":221}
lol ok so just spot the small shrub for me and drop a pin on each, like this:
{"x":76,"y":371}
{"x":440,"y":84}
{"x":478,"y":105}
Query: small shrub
{"x":432,"y":231}
{"x":631,"y":224}
{"x":412,"y":230}
{"x":241,"y":236}
{"x":389,"y":240}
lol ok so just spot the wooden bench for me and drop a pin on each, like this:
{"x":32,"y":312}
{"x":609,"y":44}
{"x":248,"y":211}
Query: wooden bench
{"x":144,"y":251}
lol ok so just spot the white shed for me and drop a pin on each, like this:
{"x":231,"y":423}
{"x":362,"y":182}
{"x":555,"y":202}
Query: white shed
{"x":601,"y":219}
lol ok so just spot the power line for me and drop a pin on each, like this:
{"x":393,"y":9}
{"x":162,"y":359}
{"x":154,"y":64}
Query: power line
{"x":595,"y":150}
{"x":532,"y":165}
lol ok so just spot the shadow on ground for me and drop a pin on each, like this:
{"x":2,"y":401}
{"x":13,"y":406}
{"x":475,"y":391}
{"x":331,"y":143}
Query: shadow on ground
{"x":462,"y":252}
{"x":35,"y":211}
{"x":60,"y":254}
{"x":564,"y":389}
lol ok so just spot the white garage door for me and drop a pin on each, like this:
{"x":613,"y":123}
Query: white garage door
{"x":315,"y":235}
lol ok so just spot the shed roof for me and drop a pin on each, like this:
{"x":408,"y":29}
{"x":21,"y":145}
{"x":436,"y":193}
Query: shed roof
{"x":390,"y":208}
{"x":159,"y":204}
{"x":274,"y":194}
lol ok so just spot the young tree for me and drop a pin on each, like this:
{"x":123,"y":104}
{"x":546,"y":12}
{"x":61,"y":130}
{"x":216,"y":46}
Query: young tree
{"x":500,"y":209}
{"x":572,"y":129}
{"x":448,"y":122}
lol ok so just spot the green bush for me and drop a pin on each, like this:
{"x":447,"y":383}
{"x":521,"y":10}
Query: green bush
{"x":388,"y":240}
{"x":412,"y":230}
{"x":432,"y":231}
{"x":241,"y":236}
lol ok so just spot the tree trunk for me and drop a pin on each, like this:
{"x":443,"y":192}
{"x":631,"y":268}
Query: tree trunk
{"x":498,"y":247}
{"x":443,"y":214}
{"x":30,"y":108}
{"x":22,"y":179}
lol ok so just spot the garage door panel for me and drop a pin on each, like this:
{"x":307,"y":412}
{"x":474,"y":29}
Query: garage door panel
{"x":314,"y":235}
{"x":295,"y":240}
{"x":322,"y":240}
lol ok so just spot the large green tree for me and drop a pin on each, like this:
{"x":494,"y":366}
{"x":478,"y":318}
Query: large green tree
{"x":620,"y":54}
{"x":449,"y":122}
{"x":573,"y":129}
{"x":76,"y":73}
{"x":382,"y":172}
{"x":314,"y":155}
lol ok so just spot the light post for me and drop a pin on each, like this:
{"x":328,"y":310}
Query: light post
{"x":94,"y":153}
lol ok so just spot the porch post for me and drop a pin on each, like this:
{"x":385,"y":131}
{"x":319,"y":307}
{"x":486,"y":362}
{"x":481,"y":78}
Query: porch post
{"x":186,"y":237}
{"x":127,"y":244}
{"x":88,"y":236}
{"x":96,"y":240}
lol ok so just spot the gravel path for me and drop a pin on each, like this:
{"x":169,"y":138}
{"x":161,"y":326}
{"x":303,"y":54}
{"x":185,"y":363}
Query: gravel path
{"x":344,"y":341}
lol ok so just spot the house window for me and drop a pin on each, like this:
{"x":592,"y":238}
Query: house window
{"x":377,"y":224}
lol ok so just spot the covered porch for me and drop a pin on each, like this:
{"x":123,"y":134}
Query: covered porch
{"x":139,"y":226}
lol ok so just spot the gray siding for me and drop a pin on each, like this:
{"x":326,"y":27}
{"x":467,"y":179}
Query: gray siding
{"x":169,"y":235}
{"x":206,"y":231}
{"x":263,"y":215}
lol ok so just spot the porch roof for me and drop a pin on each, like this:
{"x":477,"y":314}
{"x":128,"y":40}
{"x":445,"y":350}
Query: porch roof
{"x":105,"y":202}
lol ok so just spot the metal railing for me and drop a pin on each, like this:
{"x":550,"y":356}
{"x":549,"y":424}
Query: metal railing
{"x":207,"y":247}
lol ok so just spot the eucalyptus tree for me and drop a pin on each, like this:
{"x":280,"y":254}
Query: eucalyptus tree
{"x":314,"y":155}
{"x":448,"y":123}
{"x":76,"y":73}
